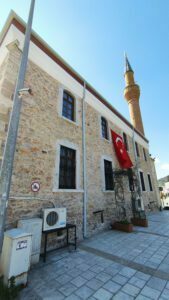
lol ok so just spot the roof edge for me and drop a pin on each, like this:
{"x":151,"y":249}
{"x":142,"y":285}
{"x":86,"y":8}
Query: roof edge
{"x":14,"y":19}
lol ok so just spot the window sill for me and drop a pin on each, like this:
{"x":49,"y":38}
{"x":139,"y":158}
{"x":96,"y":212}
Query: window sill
{"x":106,"y":140}
{"x":68,"y":191}
{"x":70,"y":121}
{"x":108,"y":191}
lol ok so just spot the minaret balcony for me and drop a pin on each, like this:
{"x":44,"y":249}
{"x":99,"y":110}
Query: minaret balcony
{"x":132,"y":92}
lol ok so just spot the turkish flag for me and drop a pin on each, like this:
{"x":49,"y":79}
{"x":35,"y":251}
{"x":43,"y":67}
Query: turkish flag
{"x":121,"y":152}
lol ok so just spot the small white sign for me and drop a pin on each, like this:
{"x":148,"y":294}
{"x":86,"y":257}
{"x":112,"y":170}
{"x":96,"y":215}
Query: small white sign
{"x":21,"y":245}
{"x":35,"y":186}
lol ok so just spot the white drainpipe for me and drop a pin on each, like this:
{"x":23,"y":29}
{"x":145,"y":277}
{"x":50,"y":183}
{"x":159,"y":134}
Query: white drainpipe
{"x":84,"y":162}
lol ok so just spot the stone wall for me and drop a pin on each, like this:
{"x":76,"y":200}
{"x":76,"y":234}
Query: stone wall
{"x":40,"y":128}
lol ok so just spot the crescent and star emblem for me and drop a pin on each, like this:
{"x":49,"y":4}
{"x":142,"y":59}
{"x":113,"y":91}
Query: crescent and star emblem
{"x":119,"y":144}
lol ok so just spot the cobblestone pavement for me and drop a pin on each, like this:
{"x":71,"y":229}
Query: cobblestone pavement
{"x":110,"y":265}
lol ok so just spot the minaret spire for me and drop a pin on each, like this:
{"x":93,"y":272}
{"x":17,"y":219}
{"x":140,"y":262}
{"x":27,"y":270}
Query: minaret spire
{"x":127,"y":64}
{"x":132,"y":94}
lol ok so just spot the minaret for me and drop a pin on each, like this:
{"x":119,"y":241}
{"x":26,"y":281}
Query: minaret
{"x":132,"y":94}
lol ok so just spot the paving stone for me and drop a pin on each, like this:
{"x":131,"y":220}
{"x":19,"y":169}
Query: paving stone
{"x":164,"y":267}
{"x":140,"y":260}
{"x":151,"y":264}
{"x":64,"y":279}
{"x":150,"y":293}
{"x":94,"y":283}
{"x":142,"y":276}
{"x":164,"y":295}
{"x":127,"y":272}
{"x":137,"y":282}
{"x":112,"y":286}
{"x":53,"y":296}
{"x":23,"y":295}
{"x":117,"y":266}
{"x":156,"y":283}
{"x":84,"y":292}
{"x":104,"y":277}
{"x":97,"y":269}
{"x":122,"y":296}
{"x":67,"y":289}
{"x":74,"y":273}
{"x":141,"y":297}
{"x":52,"y":283}
{"x":78,"y":281}
{"x":120,"y":279}
{"x":73,"y":297}
{"x":102,"y":294}
{"x":111,"y":271}
{"x":44,"y":292}
{"x":88,"y":274}
{"x":131,"y":289}
{"x":83,"y":267}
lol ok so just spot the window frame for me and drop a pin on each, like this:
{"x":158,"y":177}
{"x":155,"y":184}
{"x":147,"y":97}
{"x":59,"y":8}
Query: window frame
{"x":72,"y":146}
{"x":143,"y":188}
{"x":103,"y":158}
{"x":125,"y":140}
{"x":149,"y":182}
{"x":107,"y":129}
{"x":137,"y":149}
{"x":144,"y":154}
{"x":108,"y":188}
{"x":63,"y":166}
{"x":60,"y":105}
{"x":72,"y":110}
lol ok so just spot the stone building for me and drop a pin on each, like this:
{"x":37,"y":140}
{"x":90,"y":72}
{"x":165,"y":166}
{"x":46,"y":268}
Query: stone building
{"x":64,"y":139}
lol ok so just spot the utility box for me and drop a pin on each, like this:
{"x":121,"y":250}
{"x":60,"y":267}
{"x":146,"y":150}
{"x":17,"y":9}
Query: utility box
{"x":33,"y":226}
{"x":15,"y":257}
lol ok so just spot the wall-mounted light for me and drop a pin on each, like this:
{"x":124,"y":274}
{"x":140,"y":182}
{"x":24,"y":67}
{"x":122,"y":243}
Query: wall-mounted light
{"x":24,"y":92}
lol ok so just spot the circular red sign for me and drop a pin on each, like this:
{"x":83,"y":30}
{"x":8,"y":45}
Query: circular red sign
{"x":35,"y":186}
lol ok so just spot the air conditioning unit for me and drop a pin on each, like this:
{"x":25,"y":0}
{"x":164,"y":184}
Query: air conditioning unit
{"x":54,"y":218}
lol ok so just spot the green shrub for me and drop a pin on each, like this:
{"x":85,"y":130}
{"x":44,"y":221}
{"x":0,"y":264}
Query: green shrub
{"x":9,"y":292}
{"x":125,"y":221}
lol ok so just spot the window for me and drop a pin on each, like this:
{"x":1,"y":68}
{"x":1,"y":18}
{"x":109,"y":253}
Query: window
{"x":2,"y":146}
{"x":67,"y":168}
{"x":131,"y":180}
{"x":104,"y":128}
{"x":144,"y":154}
{"x":149,"y":181}
{"x":125,"y":141}
{"x":137,"y":149}
{"x":6,"y":127}
{"x":68,"y":106}
{"x":108,"y":172}
{"x":142,"y":181}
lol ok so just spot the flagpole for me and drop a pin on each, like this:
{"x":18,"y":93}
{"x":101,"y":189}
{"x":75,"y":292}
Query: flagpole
{"x":9,"y":152}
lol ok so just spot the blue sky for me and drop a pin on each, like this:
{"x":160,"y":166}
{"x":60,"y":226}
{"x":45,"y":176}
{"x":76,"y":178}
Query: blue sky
{"x":92,"y":35}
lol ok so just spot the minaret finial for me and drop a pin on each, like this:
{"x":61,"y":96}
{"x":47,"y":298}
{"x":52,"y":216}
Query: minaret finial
{"x":127,"y":64}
